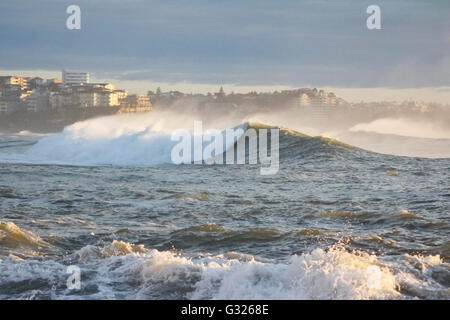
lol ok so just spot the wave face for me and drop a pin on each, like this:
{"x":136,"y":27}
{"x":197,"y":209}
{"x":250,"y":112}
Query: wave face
{"x":400,"y":136}
{"x":294,"y":144}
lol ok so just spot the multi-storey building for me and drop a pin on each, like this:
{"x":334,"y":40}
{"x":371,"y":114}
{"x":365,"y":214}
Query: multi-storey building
{"x":136,"y":103}
{"x":318,"y":105}
{"x":74,"y":77}
{"x":317,"y":99}
{"x":121,"y":94}
{"x":96,"y":98}
{"x":22,"y":82}
{"x":37,"y":101}
{"x":56,"y":100}
{"x":85,"y":95}
{"x":10,"y":105}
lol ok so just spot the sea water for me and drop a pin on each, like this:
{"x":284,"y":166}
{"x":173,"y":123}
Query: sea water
{"x":335,"y":222}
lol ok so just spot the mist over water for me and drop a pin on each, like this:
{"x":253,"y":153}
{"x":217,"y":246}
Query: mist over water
{"x":358,"y":210}
{"x":403,"y":127}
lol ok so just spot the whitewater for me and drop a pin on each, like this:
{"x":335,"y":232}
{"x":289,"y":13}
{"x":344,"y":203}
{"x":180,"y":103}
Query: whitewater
{"x":346,"y":216}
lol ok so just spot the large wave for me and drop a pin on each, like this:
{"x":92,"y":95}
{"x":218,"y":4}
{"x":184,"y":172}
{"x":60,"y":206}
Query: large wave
{"x":126,"y":141}
{"x":114,"y":140}
{"x":402,"y":136}
{"x":145,"y":140}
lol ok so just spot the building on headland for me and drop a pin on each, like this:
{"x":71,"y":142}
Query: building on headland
{"x":318,"y":104}
{"x":135,"y":103}
{"x":85,"y":95}
{"x":314,"y":98}
{"x":14,"y":81}
{"x":37,"y":101}
{"x":56,"y":100}
{"x":10,"y":105}
{"x":121,"y":94}
{"x":74,"y":91}
{"x":74,"y":77}
{"x":13,"y":92}
{"x":35,"y":82}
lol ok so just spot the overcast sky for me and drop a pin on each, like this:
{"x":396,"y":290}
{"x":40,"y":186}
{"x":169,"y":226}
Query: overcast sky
{"x":244,"y":43}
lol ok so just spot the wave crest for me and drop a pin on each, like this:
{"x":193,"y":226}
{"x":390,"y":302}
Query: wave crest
{"x":13,"y":237}
{"x":107,"y":141}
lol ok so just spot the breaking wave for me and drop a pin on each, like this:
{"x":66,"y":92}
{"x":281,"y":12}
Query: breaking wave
{"x":105,"y":141}
{"x":334,"y":273}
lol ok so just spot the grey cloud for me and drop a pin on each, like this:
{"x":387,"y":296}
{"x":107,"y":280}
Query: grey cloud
{"x":244,"y":42}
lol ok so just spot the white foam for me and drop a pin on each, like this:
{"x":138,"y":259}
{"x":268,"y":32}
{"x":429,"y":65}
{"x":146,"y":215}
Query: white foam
{"x":124,"y":140}
{"x":333,"y":274}
{"x":321,"y":274}
{"x":124,"y":270}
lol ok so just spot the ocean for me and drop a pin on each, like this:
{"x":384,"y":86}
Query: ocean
{"x":337,"y":221}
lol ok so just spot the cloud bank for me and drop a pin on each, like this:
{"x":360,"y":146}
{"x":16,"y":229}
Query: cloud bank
{"x":255,"y":42}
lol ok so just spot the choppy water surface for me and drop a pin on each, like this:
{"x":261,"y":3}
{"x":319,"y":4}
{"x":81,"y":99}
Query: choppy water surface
{"x":336,"y":222}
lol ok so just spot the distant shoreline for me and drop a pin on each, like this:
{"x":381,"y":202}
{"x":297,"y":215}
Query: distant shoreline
{"x":50,"y":121}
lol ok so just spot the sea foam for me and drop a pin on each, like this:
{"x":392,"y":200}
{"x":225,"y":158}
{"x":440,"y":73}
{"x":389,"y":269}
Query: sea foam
{"x":115,"y":140}
{"x":334,"y":273}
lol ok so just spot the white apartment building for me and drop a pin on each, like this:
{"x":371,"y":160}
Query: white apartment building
{"x":318,"y":105}
{"x":321,"y":99}
{"x":74,"y":77}
{"x":109,"y":99}
{"x":93,"y":98}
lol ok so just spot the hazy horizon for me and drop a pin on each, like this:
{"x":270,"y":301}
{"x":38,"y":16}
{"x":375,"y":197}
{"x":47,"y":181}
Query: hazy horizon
{"x":375,"y":94}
